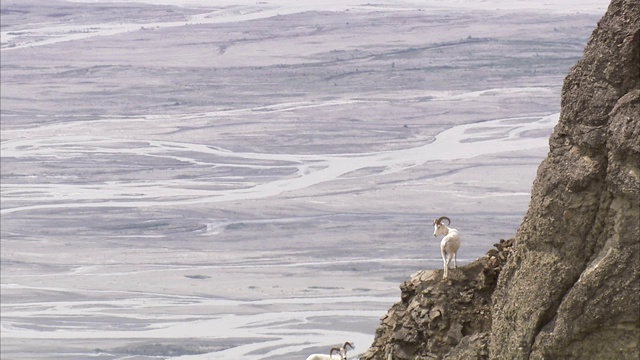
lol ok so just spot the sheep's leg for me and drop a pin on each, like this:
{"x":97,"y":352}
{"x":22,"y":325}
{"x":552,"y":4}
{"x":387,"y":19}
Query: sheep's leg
{"x":455,"y":260}
{"x":446,"y":266}
{"x":445,"y":263}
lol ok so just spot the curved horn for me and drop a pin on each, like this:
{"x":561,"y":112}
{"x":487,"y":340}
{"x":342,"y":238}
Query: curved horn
{"x":332,"y":350}
{"x":439,"y":220}
{"x":347,"y":344}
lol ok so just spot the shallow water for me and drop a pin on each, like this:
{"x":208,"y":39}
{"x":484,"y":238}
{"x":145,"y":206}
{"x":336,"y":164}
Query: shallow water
{"x":254,"y":181}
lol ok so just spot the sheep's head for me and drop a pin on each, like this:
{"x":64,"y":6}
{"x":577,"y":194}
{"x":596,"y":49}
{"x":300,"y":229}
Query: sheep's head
{"x":343,"y":350}
{"x":342,"y":353}
{"x":439,"y":228}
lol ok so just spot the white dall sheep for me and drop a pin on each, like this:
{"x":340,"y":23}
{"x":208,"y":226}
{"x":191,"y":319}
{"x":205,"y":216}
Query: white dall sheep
{"x":450,"y":242}
{"x":341,"y":352}
{"x":343,"y":349}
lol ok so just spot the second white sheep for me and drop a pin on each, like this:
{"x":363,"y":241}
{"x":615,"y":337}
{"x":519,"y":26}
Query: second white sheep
{"x":341,"y":352}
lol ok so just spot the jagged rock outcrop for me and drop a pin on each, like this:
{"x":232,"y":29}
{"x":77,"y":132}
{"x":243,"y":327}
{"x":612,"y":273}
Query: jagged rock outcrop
{"x":570,"y":286}
{"x":438,"y":319}
{"x":571,"y":290}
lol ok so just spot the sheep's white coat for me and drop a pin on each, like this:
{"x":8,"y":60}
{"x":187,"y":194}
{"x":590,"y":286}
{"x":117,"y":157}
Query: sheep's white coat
{"x":324,"y":357}
{"x":341,"y":353}
{"x":448,"y":246}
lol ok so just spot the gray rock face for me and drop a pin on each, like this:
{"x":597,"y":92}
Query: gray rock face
{"x":571,"y":288}
{"x":442,"y":319}
{"x":568,"y":286}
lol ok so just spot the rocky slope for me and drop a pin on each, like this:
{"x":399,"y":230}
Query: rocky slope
{"x":438,"y":319}
{"x":571,"y":287}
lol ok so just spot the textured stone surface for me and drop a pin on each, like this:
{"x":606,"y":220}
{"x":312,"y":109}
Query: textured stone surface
{"x":571,"y":290}
{"x":569,"y":283}
{"x":442,"y":319}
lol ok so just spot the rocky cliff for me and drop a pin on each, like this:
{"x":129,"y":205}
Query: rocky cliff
{"x":437,"y":318}
{"x":571,"y":289}
{"x":570,"y":285}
